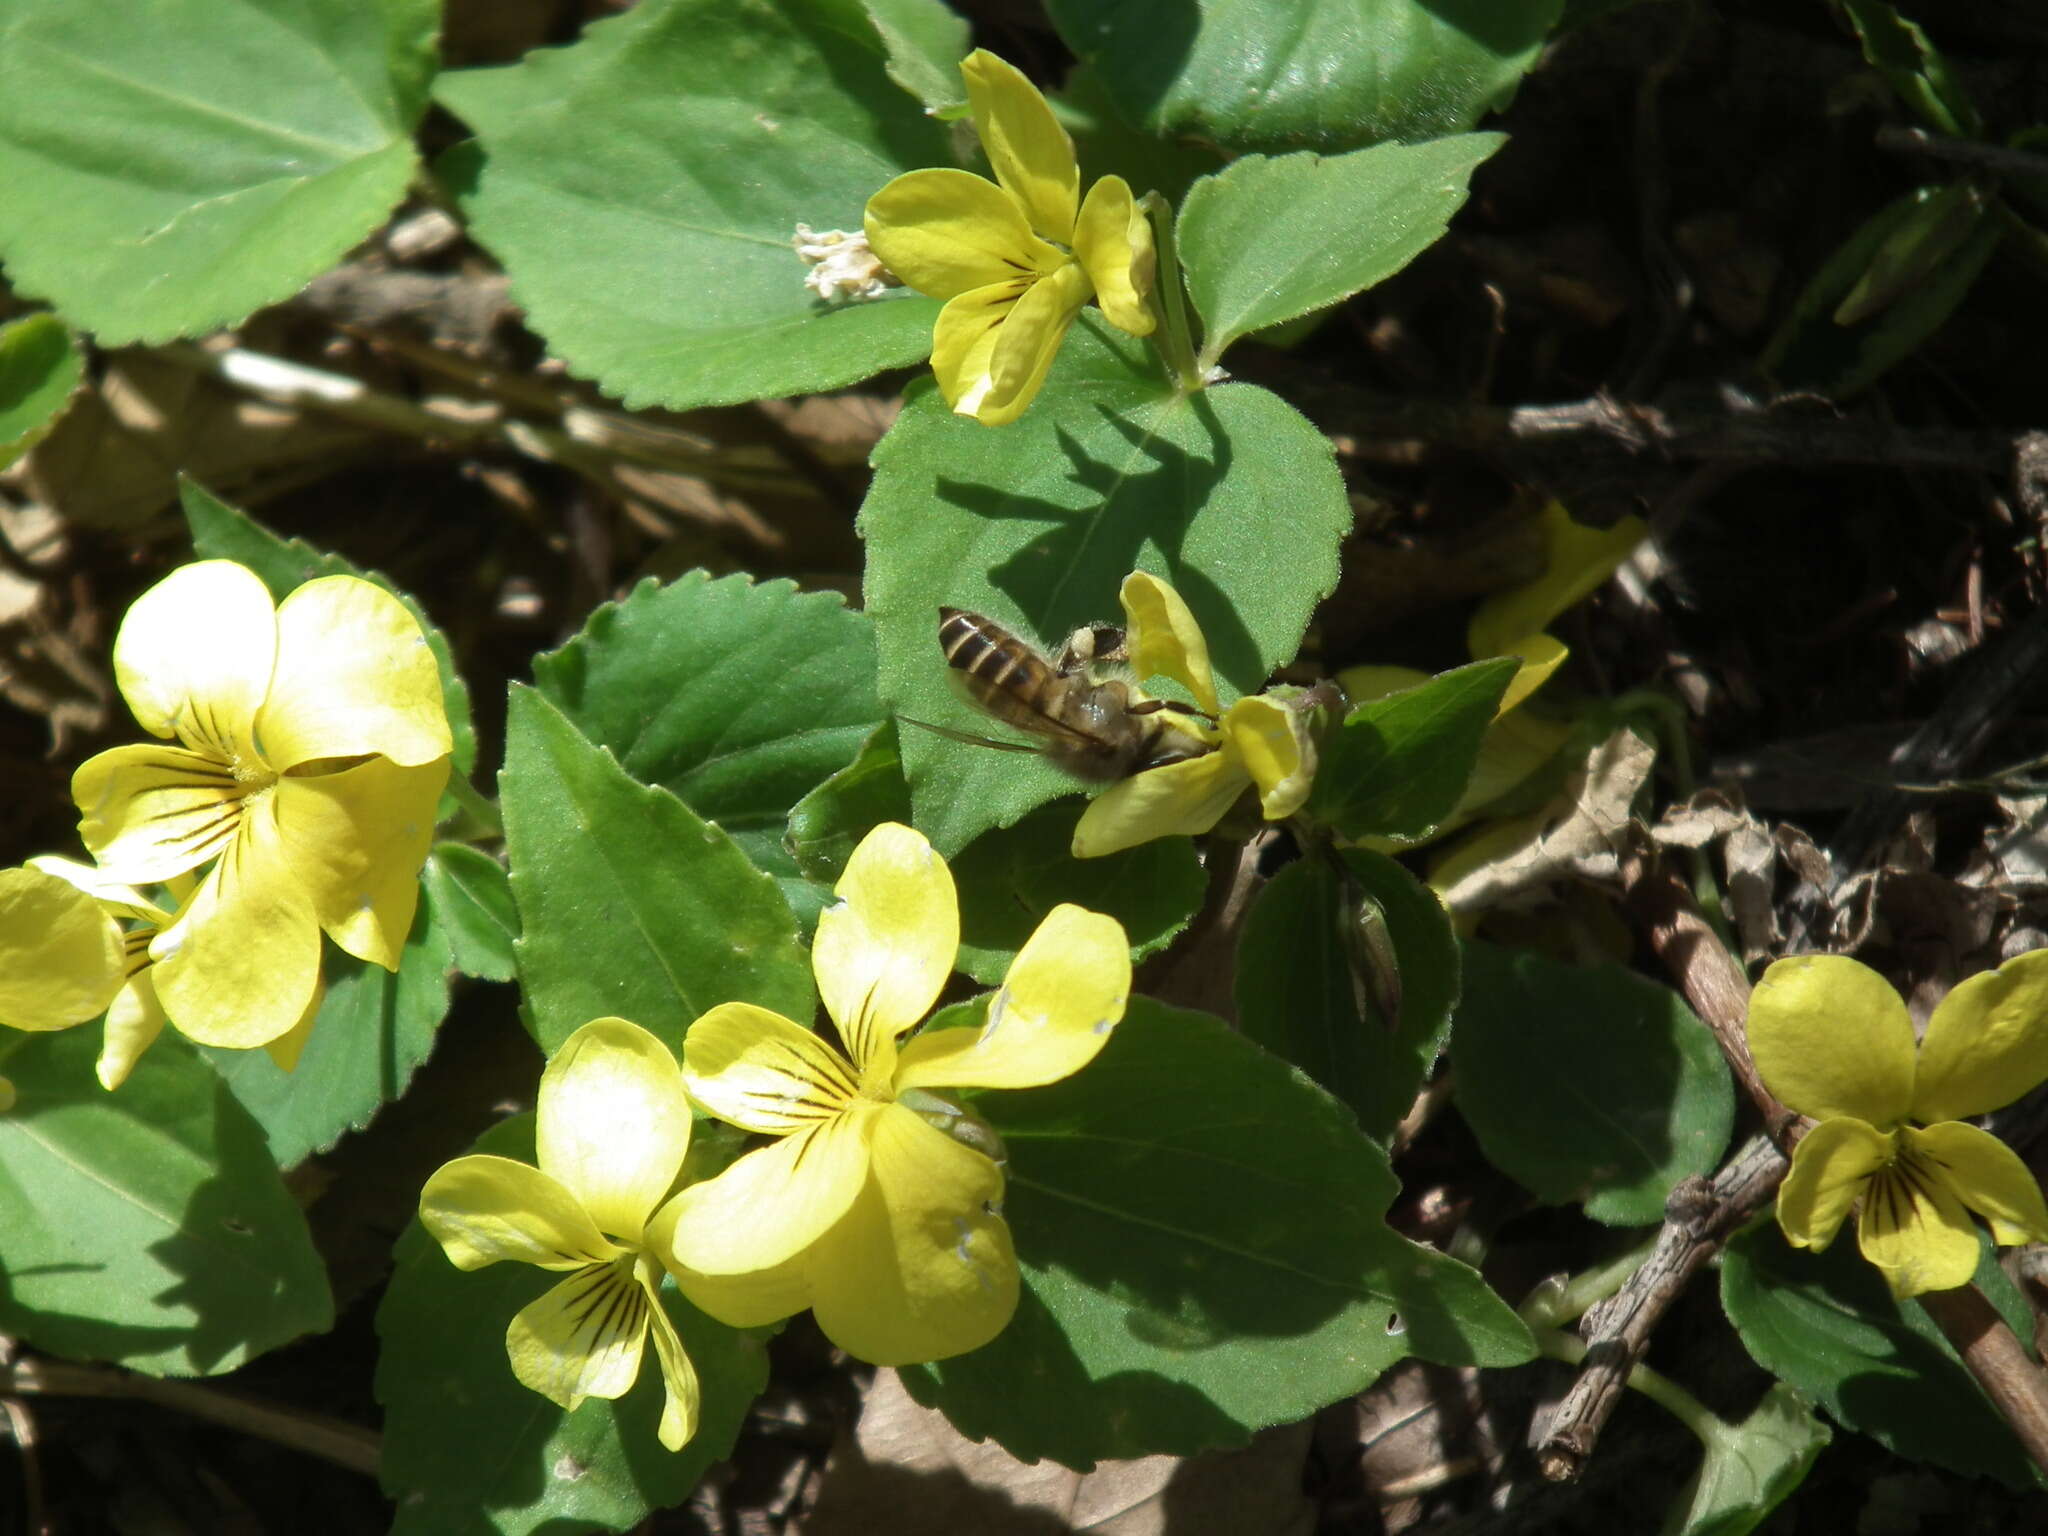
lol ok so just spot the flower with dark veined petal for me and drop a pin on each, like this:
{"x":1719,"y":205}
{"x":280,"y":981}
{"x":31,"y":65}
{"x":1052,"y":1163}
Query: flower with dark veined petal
{"x":65,"y":958}
{"x":887,"y":1227}
{"x":311,"y":748}
{"x":1833,"y":1041}
{"x":1015,"y":259}
{"x":612,"y":1128}
{"x":1259,"y":741}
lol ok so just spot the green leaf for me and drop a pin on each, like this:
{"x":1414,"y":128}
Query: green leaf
{"x":1750,"y":1468}
{"x":1229,"y":494}
{"x":40,"y":369}
{"x":1825,"y":1323}
{"x":829,"y":822}
{"x":1010,"y":878}
{"x":1914,"y":68}
{"x":1813,"y":350}
{"x":738,"y":697}
{"x":682,"y":143}
{"x":1399,"y":765}
{"x":1298,"y":997}
{"x":1265,"y":241}
{"x":171,"y":166}
{"x":926,"y":41}
{"x":1108,"y":143}
{"x":1587,"y":1085}
{"x":1277,"y":75}
{"x":1204,"y":1250}
{"x":375,"y":1028}
{"x":222,"y":532}
{"x":472,"y":900}
{"x":468,"y":1449}
{"x":630,"y":904}
{"x":148,"y":1227}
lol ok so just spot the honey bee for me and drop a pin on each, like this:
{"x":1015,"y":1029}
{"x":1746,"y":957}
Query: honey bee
{"x":1080,"y":713}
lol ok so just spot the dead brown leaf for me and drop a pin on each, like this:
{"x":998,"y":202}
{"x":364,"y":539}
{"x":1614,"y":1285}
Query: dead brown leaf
{"x":907,"y":1471}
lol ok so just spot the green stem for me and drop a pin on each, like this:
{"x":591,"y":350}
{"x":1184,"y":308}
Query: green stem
{"x":488,"y":823}
{"x":1554,"y":1306}
{"x":1172,"y":336}
{"x":1555,"y":1344}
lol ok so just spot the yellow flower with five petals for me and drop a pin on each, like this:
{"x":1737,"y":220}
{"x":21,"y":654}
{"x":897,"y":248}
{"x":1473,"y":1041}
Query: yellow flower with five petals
{"x":66,"y":957}
{"x":612,"y":1126}
{"x":1832,"y":1040}
{"x":1016,"y":258}
{"x":311,"y":748}
{"x":1261,"y":741}
{"x":887,"y":1227}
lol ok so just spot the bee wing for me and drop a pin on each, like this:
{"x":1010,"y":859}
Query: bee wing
{"x":969,"y":737}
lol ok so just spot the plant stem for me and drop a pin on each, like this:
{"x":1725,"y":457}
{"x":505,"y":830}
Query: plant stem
{"x":1553,"y":1307}
{"x":1172,"y":336}
{"x":1556,"y":1344}
{"x":316,"y":1434}
{"x":482,"y":811}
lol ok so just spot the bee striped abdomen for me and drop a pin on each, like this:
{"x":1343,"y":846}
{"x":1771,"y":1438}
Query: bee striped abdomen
{"x":984,"y":651}
{"x":1000,"y":672}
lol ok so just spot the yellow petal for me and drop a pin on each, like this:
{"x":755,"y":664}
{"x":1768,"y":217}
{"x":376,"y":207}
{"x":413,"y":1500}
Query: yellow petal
{"x":1025,"y":345}
{"x":1065,"y":992}
{"x":921,"y":1268}
{"x":964,"y":340}
{"x":776,"y":1201}
{"x":1163,"y":638}
{"x":115,"y":897}
{"x":1987,"y":1176}
{"x":354,"y":675}
{"x":886,"y":946}
{"x":193,"y":656}
{"x":148,"y":813}
{"x":1363,"y":684}
{"x":1272,"y":742}
{"x":948,"y":232}
{"x":1915,"y":1229}
{"x":762,"y":1073}
{"x":1831,"y":1037}
{"x":584,"y":1337}
{"x":1576,"y":560}
{"x":1114,"y":242}
{"x":1027,"y":148}
{"x":239,"y":965}
{"x":286,"y":1048}
{"x":613,"y":1123}
{"x":356,"y":840}
{"x":680,"y":1395}
{"x":133,"y":1023}
{"x":1514,"y":746}
{"x":61,"y":957}
{"x":749,"y":1300}
{"x":483,"y":1209}
{"x":1830,"y":1168}
{"x":1180,"y":799}
{"x":1987,"y":1042}
{"x":1541,"y":655}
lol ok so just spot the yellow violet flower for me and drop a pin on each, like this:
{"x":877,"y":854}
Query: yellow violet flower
{"x":1014,"y":258}
{"x":1259,"y":741}
{"x":889,"y":1228}
{"x":612,"y":1126}
{"x":1576,"y":560}
{"x":311,"y":748}
{"x":1833,"y":1040}
{"x":65,"y":958}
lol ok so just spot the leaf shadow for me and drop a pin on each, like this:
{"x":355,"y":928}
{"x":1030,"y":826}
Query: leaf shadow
{"x":1061,"y":578}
